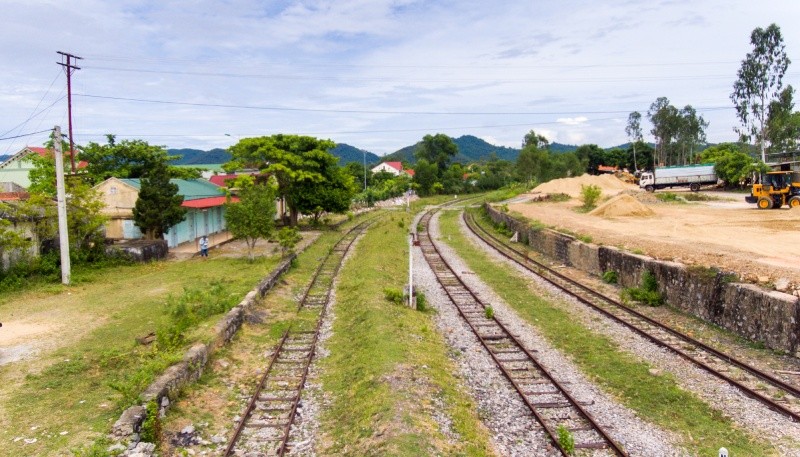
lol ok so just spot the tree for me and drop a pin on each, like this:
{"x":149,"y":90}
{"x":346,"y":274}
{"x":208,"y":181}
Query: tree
{"x":437,"y":149}
{"x":731,"y":164}
{"x":760,"y":80}
{"x":691,"y":132}
{"x":634,"y":132}
{"x":334,"y":194}
{"x":534,"y":139}
{"x":253,"y":217}
{"x":159,"y":206}
{"x":288,"y":237}
{"x":425,"y":175}
{"x":592,"y":156}
{"x":294,"y":160}
{"x":84,"y":216}
{"x":532,"y":163}
{"x":128,"y":159}
{"x":666,"y":121}
{"x":783,"y":124}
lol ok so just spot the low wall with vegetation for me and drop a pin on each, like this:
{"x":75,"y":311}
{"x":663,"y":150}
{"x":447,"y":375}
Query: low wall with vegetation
{"x":768,"y":317}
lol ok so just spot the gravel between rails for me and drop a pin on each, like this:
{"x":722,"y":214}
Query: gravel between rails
{"x":744,"y":411}
{"x":501,"y":409}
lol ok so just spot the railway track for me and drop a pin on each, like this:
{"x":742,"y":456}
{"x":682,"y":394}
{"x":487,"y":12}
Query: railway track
{"x":772,"y":392}
{"x":551,"y":405}
{"x":265,"y":426}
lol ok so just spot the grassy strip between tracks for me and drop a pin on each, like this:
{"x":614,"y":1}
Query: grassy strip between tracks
{"x":655,"y":398}
{"x":388,"y":376}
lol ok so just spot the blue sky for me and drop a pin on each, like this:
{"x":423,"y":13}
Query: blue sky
{"x":376,"y":74}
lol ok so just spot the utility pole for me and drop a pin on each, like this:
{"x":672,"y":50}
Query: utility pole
{"x":365,"y":171}
{"x":61,"y":195}
{"x":69,"y":68}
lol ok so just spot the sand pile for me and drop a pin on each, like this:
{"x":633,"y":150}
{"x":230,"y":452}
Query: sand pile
{"x":609,"y":184}
{"x":622,"y":205}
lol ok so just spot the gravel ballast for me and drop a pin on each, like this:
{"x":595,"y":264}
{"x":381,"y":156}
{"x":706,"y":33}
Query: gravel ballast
{"x":515,"y":430}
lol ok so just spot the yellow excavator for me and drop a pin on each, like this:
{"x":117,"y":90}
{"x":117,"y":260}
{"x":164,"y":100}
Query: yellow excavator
{"x":776,"y":189}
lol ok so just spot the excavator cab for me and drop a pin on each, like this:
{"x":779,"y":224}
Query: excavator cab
{"x":775,"y":189}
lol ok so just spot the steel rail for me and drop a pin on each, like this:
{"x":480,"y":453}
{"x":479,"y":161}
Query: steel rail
{"x":433,"y":256}
{"x":565,"y":283}
{"x":341,"y":247}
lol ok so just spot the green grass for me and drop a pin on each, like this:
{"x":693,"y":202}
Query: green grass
{"x":97,"y":368}
{"x":655,"y":398}
{"x":388,"y":369}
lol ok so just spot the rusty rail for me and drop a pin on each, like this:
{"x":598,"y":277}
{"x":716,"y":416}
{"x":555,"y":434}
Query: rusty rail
{"x":645,"y":326}
{"x":537,"y":388}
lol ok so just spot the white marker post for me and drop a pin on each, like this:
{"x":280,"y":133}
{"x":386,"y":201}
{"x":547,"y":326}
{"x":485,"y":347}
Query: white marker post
{"x":411,"y":270}
{"x":63,"y":236}
{"x":723,"y":452}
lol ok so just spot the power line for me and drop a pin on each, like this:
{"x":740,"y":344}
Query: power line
{"x":348,"y":111}
{"x":69,"y":68}
{"x":24,"y":135}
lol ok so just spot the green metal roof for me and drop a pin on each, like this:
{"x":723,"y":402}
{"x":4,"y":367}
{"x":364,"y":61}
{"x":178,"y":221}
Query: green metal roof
{"x":191,"y":189}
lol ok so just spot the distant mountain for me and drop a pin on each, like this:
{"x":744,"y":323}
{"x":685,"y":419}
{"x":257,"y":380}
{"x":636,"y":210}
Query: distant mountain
{"x":347,"y":154}
{"x":470,"y":149}
{"x":197,"y":156}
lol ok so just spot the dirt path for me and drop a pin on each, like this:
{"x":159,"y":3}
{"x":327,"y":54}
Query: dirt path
{"x":759,"y":245}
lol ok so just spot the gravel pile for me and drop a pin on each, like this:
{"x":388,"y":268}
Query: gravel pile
{"x":746,"y":412}
{"x":515,"y":431}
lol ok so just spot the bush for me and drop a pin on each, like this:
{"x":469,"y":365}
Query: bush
{"x":668,"y":197}
{"x":610,"y":277}
{"x":422,"y":302}
{"x":590,"y":195}
{"x":647,"y":292}
{"x":566,"y":440}
{"x":394,"y":296}
{"x":151,"y":427}
{"x":489,"y":311}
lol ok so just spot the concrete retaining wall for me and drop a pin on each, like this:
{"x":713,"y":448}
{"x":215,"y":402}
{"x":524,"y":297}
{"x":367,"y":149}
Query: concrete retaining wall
{"x":759,"y":315}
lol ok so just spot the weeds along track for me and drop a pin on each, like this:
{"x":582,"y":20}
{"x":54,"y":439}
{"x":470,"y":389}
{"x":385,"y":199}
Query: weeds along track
{"x":266,"y":423}
{"x":774,"y":393}
{"x":551,"y":405}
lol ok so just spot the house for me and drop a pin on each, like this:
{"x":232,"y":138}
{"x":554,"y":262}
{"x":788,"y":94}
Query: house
{"x":28,"y":226}
{"x":204,"y":201}
{"x":395,"y":168}
{"x":227,"y":180}
{"x":16,"y":168}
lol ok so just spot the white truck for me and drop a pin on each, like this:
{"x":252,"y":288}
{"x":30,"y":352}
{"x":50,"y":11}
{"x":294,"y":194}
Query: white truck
{"x":692,"y":176}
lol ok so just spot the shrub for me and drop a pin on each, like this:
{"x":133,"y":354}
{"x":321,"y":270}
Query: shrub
{"x":394,"y":296}
{"x":566,"y":440}
{"x":151,"y":427}
{"x":422,"y":302}
{"x":647,"y":292}
{"x":489,"y":311}
{"x":590,"y":195}
{"x":669,"y":197}
{"x":610,"y":277}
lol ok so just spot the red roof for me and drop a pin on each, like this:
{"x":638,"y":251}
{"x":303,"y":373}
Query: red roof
{"x":14,"y":196}
{"x":208,"y":202}
{"x":44,"y":152}
{"x":410,"y":172}
{"x":220,"y":179}
{"x":396,"y":165}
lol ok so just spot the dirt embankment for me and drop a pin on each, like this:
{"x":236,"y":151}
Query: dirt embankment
{"x":759,"y":245}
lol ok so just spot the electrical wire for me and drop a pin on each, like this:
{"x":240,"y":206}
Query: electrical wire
{"x":325,"y":110}
{"x":24,"y":135}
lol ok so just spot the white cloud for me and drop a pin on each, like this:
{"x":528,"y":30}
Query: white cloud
{"x":572,"y":120}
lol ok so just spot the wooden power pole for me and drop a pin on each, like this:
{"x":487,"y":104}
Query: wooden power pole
{"x":68,"y":63}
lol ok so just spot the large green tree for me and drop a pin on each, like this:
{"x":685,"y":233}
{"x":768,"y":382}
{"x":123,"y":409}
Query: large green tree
{"x":759,"y":81}
{"x":783,"y":124}
{"x":334,"y":194}
{"x":425,"y":177}
{"x":295,"y":161}
{"x":437,"y":149}
{"x":253,"y":216}
{"x":127,"y":159}
{"x":731,"y":164}
{"x":159,"y":206}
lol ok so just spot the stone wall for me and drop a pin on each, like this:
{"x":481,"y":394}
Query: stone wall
{"x":140,"y":250}
{"x":759,"y":315}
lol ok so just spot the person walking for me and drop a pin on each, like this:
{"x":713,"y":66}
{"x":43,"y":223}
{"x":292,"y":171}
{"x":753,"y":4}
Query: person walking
{"x":203,"y":243}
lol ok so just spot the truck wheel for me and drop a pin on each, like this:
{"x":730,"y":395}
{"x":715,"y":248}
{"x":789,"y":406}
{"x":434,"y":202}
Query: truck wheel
{"x":694,"y":187}
{"x":650,"y":188}
{"x":794,"y":202}
{"x":764,"y":203}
